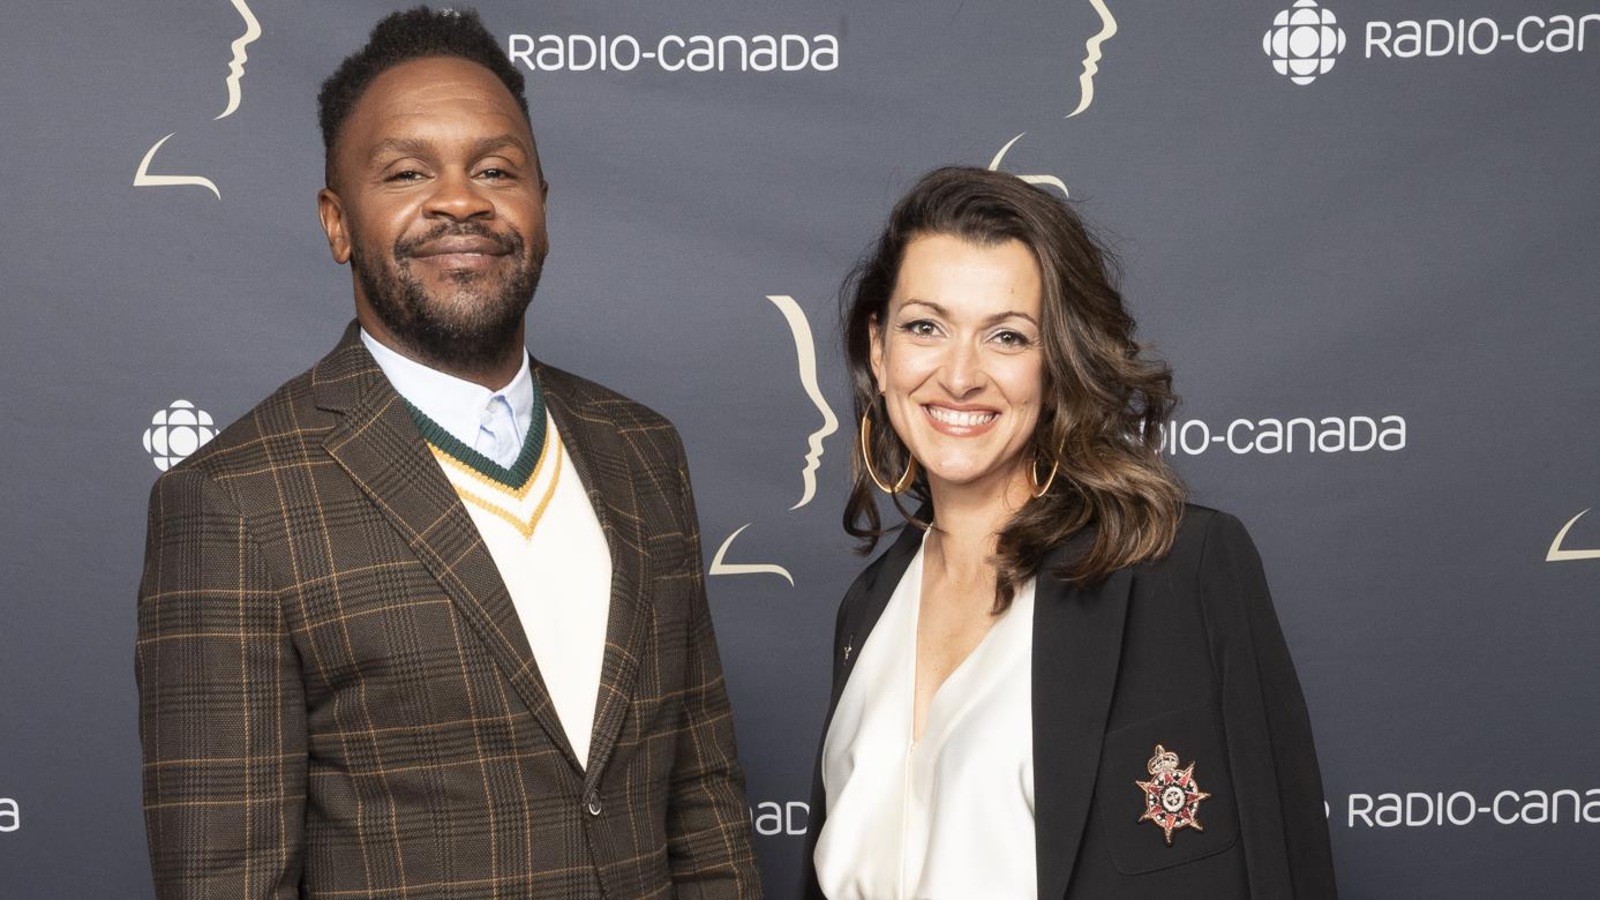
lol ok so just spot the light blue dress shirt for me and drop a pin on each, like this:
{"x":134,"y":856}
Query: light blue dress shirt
{"x":494,"y":423}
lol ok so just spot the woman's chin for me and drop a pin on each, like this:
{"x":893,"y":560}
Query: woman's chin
{"x":971,"y":478}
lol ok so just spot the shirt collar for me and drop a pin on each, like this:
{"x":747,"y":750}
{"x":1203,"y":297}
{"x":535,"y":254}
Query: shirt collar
{"x":454,"y":403}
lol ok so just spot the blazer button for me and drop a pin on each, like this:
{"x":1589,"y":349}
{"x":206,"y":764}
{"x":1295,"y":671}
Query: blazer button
{"x":591,"y":802}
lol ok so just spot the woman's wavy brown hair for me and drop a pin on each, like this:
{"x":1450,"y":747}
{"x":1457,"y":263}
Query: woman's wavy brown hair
{"x":1105,"y":401}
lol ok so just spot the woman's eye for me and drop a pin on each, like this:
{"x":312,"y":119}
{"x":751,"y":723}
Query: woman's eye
{"x":1012,"y":339}
{"x":920,"y":328}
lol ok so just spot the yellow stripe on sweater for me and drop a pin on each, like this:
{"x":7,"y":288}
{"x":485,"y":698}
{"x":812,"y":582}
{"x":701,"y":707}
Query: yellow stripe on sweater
{"x":524,"y":527}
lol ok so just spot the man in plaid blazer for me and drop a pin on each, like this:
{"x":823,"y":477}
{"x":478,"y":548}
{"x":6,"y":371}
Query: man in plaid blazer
{"x":338,"y":695}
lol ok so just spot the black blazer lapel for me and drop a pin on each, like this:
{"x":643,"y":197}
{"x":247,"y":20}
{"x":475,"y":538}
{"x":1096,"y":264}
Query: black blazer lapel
{"x":603,"y":465}
{"x":866,"y":600}
{"x":378,"y":445}
{"x":859,"y":612}
{"x":1077,"y":644}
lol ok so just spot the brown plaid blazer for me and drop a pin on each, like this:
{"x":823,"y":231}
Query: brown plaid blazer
{"x":337,"y":698}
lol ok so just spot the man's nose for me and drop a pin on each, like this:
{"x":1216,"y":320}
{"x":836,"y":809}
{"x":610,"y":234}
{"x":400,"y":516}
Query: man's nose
{"x":458,"y":196}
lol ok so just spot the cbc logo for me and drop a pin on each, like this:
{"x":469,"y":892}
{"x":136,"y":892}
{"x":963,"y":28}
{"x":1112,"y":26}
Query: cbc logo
{"x":1303,"y":42}
{"x":176,"y":432}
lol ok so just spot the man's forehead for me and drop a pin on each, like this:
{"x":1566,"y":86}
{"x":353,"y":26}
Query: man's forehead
{"x":476,"y":145}
{"x":433,"y":79}
{"x":418,"y":92}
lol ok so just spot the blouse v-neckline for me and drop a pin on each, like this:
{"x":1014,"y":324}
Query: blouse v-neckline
{"x":918,"y":585}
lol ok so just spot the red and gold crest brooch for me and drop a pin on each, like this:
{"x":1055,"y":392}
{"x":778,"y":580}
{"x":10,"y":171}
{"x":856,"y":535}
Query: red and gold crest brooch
{"x":1171,"y":798}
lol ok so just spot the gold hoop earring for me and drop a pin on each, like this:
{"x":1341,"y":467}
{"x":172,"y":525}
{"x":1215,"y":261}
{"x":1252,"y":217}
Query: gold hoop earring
{"x":866,"y":460}
{"x":1033,"y":477}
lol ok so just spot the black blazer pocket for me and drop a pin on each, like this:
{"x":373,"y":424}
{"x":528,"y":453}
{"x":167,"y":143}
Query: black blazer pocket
{"x":1139,"y":845}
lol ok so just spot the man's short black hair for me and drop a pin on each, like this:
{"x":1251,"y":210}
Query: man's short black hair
{"x":401,"y":37}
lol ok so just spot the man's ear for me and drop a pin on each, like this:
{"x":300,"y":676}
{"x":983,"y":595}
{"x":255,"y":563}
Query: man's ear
{"x":330,"y":209}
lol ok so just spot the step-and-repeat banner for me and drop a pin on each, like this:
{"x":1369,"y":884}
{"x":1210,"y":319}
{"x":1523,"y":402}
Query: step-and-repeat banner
{"x":1365,"y":234}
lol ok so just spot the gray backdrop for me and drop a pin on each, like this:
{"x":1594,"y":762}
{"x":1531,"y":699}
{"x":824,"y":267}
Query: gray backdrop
{"x":1401,"y":250}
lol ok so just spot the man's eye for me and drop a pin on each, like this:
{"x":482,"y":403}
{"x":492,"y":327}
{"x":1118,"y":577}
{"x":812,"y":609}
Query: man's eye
{"x":405,"y":175}
{"x":494,"y":174}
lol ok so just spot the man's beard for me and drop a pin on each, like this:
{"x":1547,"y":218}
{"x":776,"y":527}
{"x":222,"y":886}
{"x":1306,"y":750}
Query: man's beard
{"x":472,"y":331}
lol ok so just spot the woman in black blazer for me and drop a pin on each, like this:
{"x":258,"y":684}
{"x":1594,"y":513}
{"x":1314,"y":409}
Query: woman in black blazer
{"x":1060,"y":680}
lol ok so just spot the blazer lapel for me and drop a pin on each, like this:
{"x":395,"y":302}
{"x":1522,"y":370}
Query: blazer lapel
{"x":1077,"y":643}
{"x":862,"y":607}
{"x":603,"y":465}
{"x":867,"y":600}
{"x":378,"y":445}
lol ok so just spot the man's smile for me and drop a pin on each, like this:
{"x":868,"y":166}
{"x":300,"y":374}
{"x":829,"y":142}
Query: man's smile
{"x":461,"y":251}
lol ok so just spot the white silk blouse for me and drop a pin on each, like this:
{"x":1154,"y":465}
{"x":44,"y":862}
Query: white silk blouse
{"x":949,"y":815}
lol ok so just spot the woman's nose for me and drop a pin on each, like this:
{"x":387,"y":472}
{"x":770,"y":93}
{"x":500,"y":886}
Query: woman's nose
{"x":962,"y":371}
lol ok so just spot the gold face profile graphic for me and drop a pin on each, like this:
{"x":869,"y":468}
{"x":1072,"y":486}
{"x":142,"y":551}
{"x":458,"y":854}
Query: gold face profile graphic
{"x":805,"y":349}
{"x":1091,"y":55}
{"x":1559,"y":552}
{"x":143,"y":177}
{"x":1090,"y":68}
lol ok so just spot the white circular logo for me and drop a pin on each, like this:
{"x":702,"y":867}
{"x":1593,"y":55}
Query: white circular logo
{"x":1303,"y":41}
{"x":176,"y":432}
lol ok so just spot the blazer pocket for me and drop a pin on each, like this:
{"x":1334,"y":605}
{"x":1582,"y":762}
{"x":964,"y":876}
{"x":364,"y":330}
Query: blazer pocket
{"x":1138,"y":844}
